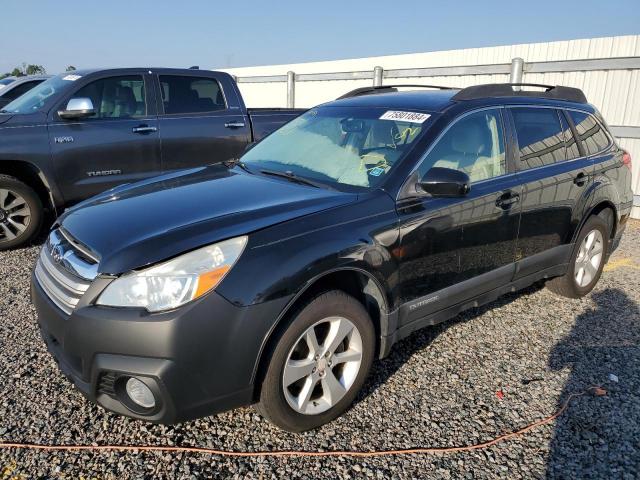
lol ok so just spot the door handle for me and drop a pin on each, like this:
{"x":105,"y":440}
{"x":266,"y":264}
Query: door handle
{"x":580,"y":179}
{"x":507,"y":199}
{"x":144,"y":129}
{"x":234,"y":124}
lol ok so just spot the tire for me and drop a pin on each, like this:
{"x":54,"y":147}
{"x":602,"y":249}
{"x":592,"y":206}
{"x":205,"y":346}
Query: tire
{"x":571,"y":285}
{"x":328,"y":315}
{"x":21,"y":213}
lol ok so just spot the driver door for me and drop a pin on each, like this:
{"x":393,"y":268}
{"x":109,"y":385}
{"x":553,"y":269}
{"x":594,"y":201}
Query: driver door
{"x":457,"y":248}
{"x":118,"y":144}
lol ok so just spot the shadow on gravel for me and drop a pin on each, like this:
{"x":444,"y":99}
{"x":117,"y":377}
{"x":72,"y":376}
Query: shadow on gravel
{"x":597,"y":437}
{"x":402,"y":351}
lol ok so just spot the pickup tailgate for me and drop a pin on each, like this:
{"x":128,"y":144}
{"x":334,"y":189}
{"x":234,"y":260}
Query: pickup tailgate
{"x":266,"y":120}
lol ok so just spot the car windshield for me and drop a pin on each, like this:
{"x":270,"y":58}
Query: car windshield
{"x":34,"y":99}
{"x":351,"y":146}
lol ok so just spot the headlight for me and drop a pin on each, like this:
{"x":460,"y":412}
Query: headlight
{"x":176,"y":282}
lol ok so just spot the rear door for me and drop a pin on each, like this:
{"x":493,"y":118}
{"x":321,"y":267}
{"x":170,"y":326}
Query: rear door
{"x":555,"y":175}
{"x":118,"y":144}
{"x":456,"y":248}
{"x":199,"y":123}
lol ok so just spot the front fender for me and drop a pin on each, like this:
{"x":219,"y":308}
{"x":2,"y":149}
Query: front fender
{"x":280,"y":261}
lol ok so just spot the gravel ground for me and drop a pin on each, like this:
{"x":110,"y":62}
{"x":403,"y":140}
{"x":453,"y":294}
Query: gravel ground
{"x":438,"y":388}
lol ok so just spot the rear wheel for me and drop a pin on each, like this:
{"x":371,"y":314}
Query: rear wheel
{"x":21,"y":213}
{"x":319,"y":364}
{"x":587,"y":260}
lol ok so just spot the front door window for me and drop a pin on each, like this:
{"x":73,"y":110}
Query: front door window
{"x":474,"y":145}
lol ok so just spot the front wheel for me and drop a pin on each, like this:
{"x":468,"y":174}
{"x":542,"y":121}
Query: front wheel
{"x":319,"y":364}
{"x":586,"y":262}
{"x":21,"y":213}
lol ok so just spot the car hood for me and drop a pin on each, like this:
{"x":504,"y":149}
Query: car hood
{"x":141,"y":224}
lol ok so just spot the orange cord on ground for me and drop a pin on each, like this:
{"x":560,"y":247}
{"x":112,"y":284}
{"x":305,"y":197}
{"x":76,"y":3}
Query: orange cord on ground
{"x":294,"y":453}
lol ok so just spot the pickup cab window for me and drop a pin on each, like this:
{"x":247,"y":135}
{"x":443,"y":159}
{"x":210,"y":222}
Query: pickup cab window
{"x":337,"y":145}
{"x":116,"y":97}
{"x":182,"y":94}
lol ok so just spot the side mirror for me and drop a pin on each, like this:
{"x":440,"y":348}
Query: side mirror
{"x":80,"y":107}
{"x":445,"y":182}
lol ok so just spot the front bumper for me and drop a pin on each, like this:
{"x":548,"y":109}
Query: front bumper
{"x":198,"y":360}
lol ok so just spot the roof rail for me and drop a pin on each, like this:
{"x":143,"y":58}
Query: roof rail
{"x":387,"y":89}
{"x":554,"y":92}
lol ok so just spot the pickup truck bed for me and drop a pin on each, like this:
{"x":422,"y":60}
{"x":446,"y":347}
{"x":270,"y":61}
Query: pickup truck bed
{"x":266,"y":120}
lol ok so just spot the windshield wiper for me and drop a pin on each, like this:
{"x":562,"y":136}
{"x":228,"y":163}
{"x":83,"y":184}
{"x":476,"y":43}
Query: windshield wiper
{"x":292,"y":177}
{"x":4,"y":111}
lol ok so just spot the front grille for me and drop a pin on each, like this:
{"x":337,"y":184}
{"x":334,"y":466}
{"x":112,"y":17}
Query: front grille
{"x":64,"y":271}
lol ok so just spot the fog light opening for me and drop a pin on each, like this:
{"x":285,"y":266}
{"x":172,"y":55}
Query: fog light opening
{"x":139,"y":393}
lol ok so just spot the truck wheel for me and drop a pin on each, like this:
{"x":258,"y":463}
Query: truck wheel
{"x":319,"y":364}
{"x":20,"y":213}
{"x":587,"y":260}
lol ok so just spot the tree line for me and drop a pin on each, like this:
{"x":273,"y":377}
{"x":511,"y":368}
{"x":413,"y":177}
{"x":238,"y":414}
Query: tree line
{"x":30,"y":69}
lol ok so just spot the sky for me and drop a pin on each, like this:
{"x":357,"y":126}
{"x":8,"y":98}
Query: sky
{"x":212,"y":33}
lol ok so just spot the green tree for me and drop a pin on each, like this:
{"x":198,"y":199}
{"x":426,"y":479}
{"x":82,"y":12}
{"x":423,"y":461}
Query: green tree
{"x":70,"y":68}
{"x":35,"y":70}
{"x":30,"y":69}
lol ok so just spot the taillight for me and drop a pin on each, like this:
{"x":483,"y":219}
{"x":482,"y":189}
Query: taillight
{"x":626,"y":159}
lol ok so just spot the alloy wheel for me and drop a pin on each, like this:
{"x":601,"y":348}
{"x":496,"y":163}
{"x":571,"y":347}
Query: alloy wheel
{"x":15,"y":215}
{"x":322,"y":366}
{"x":589,"y":258}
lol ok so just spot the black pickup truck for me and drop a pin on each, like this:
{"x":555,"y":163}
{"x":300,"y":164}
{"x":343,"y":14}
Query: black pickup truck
{"x":81,"y":133}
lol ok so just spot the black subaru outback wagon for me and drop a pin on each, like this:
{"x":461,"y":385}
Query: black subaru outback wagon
{"x":277,"y":278}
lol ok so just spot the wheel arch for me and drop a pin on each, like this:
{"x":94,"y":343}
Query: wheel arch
{"x":31,"y":176}
{"x":354,"y":281}
{"x":601,"y":208}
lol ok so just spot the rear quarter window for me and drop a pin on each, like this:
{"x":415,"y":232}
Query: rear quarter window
{"x":590,"y":132}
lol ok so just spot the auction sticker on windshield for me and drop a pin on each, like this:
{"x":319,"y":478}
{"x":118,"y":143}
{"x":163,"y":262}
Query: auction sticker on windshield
{"x":399,"y":116}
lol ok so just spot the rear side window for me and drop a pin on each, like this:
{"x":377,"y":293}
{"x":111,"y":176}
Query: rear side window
{"x":591,"y":133}
{"x":182,"y":94}
{"x":540,"y":136}
{"x":21,"y":90}
{"x":116,"y":97}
